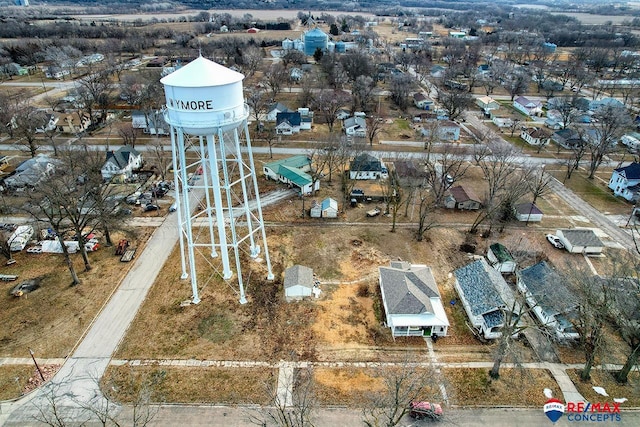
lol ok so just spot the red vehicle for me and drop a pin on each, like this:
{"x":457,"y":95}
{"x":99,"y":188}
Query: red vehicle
{"x":425,"y":410}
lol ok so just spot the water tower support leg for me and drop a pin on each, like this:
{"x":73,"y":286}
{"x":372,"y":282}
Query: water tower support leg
{"x":179,"y":206}
{"x":219,"y":208}
{"x":205,"y":179}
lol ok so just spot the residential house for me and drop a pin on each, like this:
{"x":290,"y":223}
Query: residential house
{"x":293,"y":172}
{"x":625,"y":181}
{"x":355,"y":126}
{"x":14,"y":69}
{"x":120,"y":164}
{"x":486,"y":103}
{"x":631,"y":140}
{"x":604,"y":102}
{"x":462,"y":198}
{"x":31,"y":172}
{"x":527,"y":107}
{"x":306,"y":118}
{"x":502,"y":122}
{"x":484,"y":70}
{"x":553,"y":123}
{"x":274,"y":109}
{"x":366,"y":166}
{"x":446,"y":130}
{"x":298,"y":282}
{"x":484,"y":295}
{"x":535,"y":136}
{"x":73,"y":123}
{"x":411,"y":300}
{"x":328,"y":208}
{"x":580,"y":241}
{"x":501,"y":259}
{"x":567,"y":138}
{"x":151,"y":122}
{"x":422,"y":102}
{"x":343,"y":114}
{"x":295,"y":74}
{"x":437,"y":71}
{"x":549,"y":298}
{"x":528,"y":212}
{"x":56,"y":72}
{"x":288,"y":123}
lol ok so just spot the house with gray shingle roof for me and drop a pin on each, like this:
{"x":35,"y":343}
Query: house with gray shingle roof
{"x":121,"y":163}
{"x":484,"y":295}
{"x":580,"y":241}
{"x":411,"y":300}
{"x":460,"y":197}
{"x":549,"y":298}
{"x":366,"y":166}
{"x":293,"y":171}
{"x":298,"y":282}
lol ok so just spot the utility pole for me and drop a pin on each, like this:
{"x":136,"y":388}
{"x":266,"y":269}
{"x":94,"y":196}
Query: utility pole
{"x":36,"y":363}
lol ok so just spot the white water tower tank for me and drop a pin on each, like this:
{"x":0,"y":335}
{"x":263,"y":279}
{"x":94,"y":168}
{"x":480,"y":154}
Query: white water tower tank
{"x":203,"y":97}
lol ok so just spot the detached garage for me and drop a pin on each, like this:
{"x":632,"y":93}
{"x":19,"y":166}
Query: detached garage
{"x":298,"y":282}
{"x":580,"y":241}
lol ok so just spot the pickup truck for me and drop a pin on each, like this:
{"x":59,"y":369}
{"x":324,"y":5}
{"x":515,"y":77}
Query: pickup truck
{"x":373,"y":212}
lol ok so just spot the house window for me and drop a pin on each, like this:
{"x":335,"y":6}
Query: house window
{"x":415,"y":328}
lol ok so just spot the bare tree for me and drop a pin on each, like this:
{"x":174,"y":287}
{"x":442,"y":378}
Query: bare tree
{"x":590,"y":318}
{"x":128,"y":134}
{"x":161,"y":156}
{"x":578,"y":150}
{"x":539,"y":185}
{"x":26,"y":124}
{"x":94,"y":91}
{"x":454,"y":101}
{"x":400,"y":87}
{"x":426,"y":213}
{"x":516,"y":83}
{"x":268,"y":134}
{"x":328,"y":103}
{"x":402,"y":384}
{"x":513,"y":325}
{"x":441,"y":174}
{"x":608,"y":125}
{"x":374,"y":127}
{"x":274,"y":78}
{"x":362,"y":90}
{"x":257,"y":101}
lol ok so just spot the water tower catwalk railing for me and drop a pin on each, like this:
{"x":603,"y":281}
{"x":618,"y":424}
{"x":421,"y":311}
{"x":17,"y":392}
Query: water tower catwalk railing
{"x":218,"y":187}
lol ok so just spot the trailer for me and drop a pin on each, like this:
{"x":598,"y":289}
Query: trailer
{"x":128,"y":255}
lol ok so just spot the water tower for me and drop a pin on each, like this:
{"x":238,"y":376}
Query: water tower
{"x":215,"y":181}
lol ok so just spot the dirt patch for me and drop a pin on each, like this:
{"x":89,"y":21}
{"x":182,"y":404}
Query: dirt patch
{"x":190,"y":385}
{"x":474,"y":387}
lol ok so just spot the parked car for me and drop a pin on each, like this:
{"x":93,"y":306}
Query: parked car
{"x":374,"y":212}
{"x":425,"y":410}
{"x":173,"y":207}
{"x":555,"y":241}
{"x":151,"y":207}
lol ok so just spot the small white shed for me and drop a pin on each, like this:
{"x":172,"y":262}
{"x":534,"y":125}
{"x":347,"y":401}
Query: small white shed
{"x":501,"y":259}
{"x":528,"y":212}
{"x":298,"y":282}
{"x":328,"y":208}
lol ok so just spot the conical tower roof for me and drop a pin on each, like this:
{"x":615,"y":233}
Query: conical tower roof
{"x":202,"y":72}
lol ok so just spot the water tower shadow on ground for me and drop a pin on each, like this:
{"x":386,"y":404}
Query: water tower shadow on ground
{"x":208,"y":117}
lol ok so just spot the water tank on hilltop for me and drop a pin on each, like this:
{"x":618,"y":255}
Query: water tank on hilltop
{"x":341,"y":47}
{"x":203,"y":97}
{"x":314,"y":39}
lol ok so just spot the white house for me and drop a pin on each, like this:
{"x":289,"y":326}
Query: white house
{"x":501,"y":259}
{"x":527,"y":106}
{"x":625,"y":181}
{"x":484,"y":295}
{"x":121,"y":163}
{"x":355,"y":126}
{"x":328,"y":208}
{"x":580,"y":241}
{"x":412,"y":301}
{"x":548,"y":297}
{"x":306,"y":118}
{"x":535,"y":136}
{"x":272,"y":113}
{"x":298,"y":282}
{"x":502,"y":122}
{"x":631,"y":140}
{"x":288,"y":123}
{"x":366,"y":166}
{"x":528,"y":212}
{"x":487,"y":103}
{"x":151,"y":122}
{"x":32,"y":171}
{"x":422,"y":102}
{"x":293,"y":172}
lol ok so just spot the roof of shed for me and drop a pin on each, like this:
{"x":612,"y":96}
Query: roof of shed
{"x":501,"y":252}
{"x":298,"y":275}
{"x":463,"y":194}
